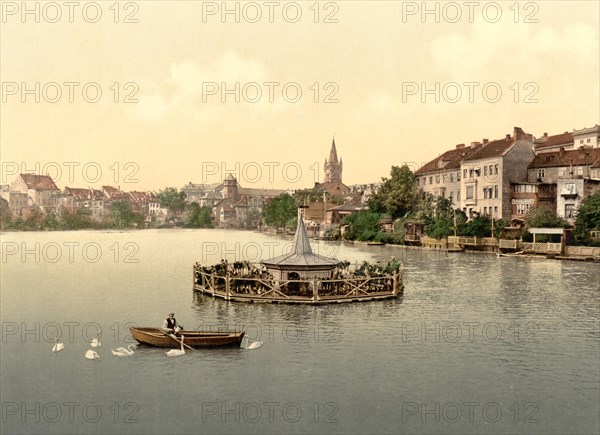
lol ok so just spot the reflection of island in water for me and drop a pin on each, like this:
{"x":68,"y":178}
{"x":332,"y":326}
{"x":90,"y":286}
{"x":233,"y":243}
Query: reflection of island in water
{"x":299,"y":276}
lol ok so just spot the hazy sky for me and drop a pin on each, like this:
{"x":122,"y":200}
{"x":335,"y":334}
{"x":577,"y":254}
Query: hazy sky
{"x":368,"y":72}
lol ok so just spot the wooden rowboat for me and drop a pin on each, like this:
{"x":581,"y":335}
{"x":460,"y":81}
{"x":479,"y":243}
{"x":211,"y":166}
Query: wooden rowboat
{"x":158,"y":338}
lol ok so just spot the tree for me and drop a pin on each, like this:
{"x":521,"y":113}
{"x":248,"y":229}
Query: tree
{"x":172,"y":199}
{"x":397,"y":194}
{"x":481,"y":226}
{"x":544,"y":217}
{"x":588,"y":218}
{"x":280,"y":211}
{"x":5,"y":214}
{"x":364,"y":225}
{"x":198,"y":217}
{"x":123,"y":217}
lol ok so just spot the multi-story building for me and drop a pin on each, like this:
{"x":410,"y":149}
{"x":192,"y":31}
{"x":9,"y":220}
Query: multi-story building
{"x":39,"y":188}
{"x":586,"y":137}
{"x":576,"y":174}
{"x":17,"y":201}
{"x":488,"y":173}
{"x":89,"y":199}
{"x":441,"y":176}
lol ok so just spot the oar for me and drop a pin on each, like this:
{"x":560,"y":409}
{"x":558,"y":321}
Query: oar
{"x":178,"y":341}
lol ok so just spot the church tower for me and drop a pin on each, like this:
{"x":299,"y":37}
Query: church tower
{"x":230,"y":188}
{"x":333,"y":168}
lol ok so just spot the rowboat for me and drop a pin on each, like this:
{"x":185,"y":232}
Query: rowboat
{"x":158,"y":338}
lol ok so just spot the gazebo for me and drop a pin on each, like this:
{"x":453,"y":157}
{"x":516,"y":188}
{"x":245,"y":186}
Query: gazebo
{"x":301,"y":262}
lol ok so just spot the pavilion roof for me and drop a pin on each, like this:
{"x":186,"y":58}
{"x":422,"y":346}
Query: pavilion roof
{"x":301,"y":254}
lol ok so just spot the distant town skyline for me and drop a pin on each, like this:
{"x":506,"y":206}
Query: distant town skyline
{"x":394,"y":85}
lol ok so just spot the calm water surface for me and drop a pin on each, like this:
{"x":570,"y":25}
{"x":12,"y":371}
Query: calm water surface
{"x":477,"y":344}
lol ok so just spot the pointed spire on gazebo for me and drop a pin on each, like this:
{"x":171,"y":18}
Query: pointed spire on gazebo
{"x":301,"y":256}
{"x":301,"y":242}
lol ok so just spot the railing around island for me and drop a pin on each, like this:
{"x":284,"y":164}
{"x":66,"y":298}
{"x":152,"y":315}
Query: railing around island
{"x":252,"y":288}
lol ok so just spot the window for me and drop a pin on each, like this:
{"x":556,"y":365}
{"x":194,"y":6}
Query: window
{"x":579,"y":170}
{"x":464,"y":173}
{"x":471,"y":173}
{"x":485,"y":210}
{"x":485,"y":193}
{"x":469,"y":192}
{"x":495,"y":191}
{"x":541,"y":173}
{"x":580,"y":140}
{"x":485,"y":171}
{"x":452,"y":178}
{"x":496,"y":170}
{"x":437,"y":179}
{"x":495,"y":211}
{"x":458,"y":196}
{"x":430,"y":180}
{"x":589,"y":141}
{"x":451,"y":196}
{"x":569,"y":211}
{"x":562,"y":172}
{"x":491,"y":167}
{"x":458,"y":176}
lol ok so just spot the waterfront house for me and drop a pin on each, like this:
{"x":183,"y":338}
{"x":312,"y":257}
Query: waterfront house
{"x":441,"y":176}
{"x":575,"y":173}
{"x":488,"y":173}
{"x":39,"y":188}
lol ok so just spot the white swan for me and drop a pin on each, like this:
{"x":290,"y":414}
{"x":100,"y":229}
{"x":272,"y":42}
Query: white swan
{"x":96,"y":340}
{"x":57,"y":346}
{"x":121,"y":351}
{"x":92,"y":354}
{"x":255,"y":345}
{"x":177,"y":352}
{"x":246,"y":344}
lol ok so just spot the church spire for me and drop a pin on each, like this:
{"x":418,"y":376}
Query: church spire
{"x":333,"y":153}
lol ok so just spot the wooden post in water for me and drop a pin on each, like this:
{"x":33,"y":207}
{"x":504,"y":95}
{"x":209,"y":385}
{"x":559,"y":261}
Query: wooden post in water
{"x":315,"y":297}
{"x":395,"y":282}
{"x":227,"y":290}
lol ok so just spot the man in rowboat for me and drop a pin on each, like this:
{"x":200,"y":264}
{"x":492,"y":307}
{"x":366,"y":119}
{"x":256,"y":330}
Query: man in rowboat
{"x":170,"y":324}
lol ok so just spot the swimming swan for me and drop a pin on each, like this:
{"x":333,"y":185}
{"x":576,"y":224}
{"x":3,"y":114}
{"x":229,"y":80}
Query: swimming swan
{"x":92,"y":354}
{"x":177,"y":352}
{"x":57,"y":346}
{"x":121,"y":351}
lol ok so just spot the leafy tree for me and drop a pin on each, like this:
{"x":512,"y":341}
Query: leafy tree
{"x":172,"y":199}
{"x":588,"y":218}
{"x":199,"y":217}
{"x":123,"y":216}
{"x":397,"y":194}
{"x":5,"y":214}
{"x":34,"y":221}
{"x":481,"y":226}
{"x":78,"y":219}
{"x":280,"y":211}
{"x":544,"y":217}
{"x":364,"y":225}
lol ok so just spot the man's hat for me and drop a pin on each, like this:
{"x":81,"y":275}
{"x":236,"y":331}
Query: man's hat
{"x":171,"y":314}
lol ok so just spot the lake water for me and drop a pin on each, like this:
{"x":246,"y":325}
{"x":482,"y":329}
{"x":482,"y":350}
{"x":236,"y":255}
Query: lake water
{"x":476,"y":344}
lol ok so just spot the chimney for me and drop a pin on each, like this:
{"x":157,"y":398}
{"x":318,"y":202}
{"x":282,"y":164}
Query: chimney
{"x":485,"y":141}
{"x":545,"y":134}
{"x":508,"y":137}
{"x":562,"y":151}
{"x":475,"y":144}
{"x":519,"y":134}
{"x":460,"y":146}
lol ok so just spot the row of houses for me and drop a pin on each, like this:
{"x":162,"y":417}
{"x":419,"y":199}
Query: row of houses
{"x":30,"y":192}
{"x":504,"y":178}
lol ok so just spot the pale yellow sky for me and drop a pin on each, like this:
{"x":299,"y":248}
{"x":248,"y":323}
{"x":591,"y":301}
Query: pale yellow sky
{"x":373,"y":64}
